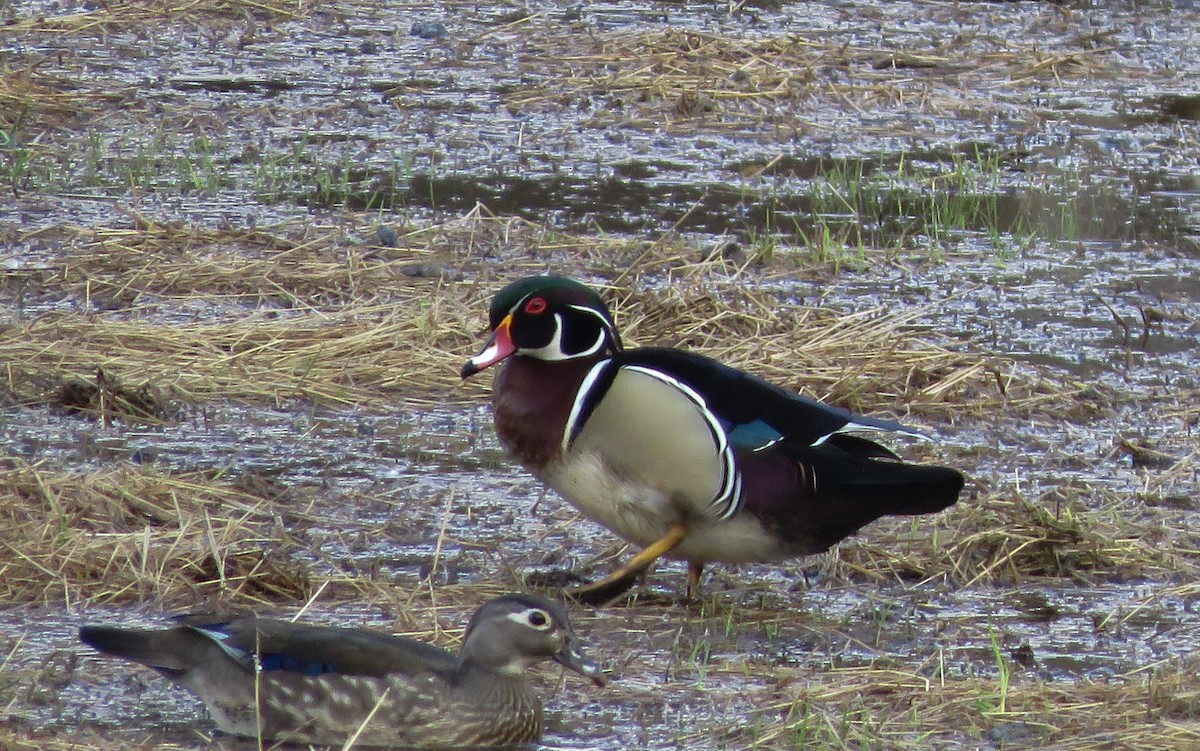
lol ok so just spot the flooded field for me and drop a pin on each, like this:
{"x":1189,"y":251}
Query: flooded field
{"x":246,"y":246}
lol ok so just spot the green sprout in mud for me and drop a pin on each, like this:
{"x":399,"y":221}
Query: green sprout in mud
{"x":929,"y":207}
{"x":93,"y":161}
{"x":333,"y":183}
{"x":771,"y":629}
{"x":826,"y":250}
{"x":15,"y":168}
{"x":700,"y":656}
{"x":764,"y":245}
{"x":1069,"y":187}
{"x":141,"y":168}
{"x":198,"y":171}
{"x":1004,"y":674}
{"x":839,"y":209}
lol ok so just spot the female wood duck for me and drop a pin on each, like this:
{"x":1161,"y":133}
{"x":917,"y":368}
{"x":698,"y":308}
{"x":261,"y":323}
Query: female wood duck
{"x":678,"y":453}
{"x":323,"y":685}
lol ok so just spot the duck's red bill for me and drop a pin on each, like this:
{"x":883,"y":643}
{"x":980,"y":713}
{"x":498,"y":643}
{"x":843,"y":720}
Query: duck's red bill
{"x":499,"y":346}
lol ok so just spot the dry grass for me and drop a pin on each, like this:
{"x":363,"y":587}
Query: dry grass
{"x":911,"y":710}
{"x":353,"y":357}
{"x":265,"y":317}
{"x":39,"y":94}
{"x":682,"y":80}
{"x":126,"y":534}
{"x":720,"y":81}
{"x":166,"y":318}
{"x":26,"y":94}
{"x":104,"y":319}
{"x":870,"y":359}
{"x":882,"y":708}
{"x":118,"y":15}
{"x":129,"y":534}
{"x":1087,"y":535}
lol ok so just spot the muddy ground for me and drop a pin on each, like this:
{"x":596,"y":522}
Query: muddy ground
{"x":246,"y":245}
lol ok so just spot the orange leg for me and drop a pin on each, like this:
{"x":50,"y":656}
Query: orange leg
{"x":622,"y":579}
{"x":693,"y":585}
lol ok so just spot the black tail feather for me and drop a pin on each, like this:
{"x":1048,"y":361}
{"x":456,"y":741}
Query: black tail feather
{"x":877,"y":489}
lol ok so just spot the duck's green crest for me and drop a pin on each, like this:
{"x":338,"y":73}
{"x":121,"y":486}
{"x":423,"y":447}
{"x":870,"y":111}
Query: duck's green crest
{"x":556,"y":286}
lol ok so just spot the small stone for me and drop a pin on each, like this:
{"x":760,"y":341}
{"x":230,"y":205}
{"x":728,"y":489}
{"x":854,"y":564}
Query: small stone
{"x":428,"y":30}
{"x":729,"y":251}
{"x":387,"y":236}
{"x":423,"y":270}
{"x":1023,"y":656}
{"x":1013,"y":733}
{"x":145,"y":455}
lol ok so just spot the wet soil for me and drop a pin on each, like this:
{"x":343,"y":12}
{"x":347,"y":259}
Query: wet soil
{"x":1026,"y":173}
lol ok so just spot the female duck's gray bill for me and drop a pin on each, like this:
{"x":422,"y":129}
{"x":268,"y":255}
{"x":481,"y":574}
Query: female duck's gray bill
{"x":498,"y":346}
{"x":571,"y":656}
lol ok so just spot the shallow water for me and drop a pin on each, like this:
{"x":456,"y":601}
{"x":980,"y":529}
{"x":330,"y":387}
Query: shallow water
{"x":663,"y":677}
{"x":393,"y":484}
{"x":1071,"y":245}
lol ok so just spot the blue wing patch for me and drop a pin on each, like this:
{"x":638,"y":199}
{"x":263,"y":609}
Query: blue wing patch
{"x":276,"y":661}
{"x":751,"y":436}
{"x":294,"y":664}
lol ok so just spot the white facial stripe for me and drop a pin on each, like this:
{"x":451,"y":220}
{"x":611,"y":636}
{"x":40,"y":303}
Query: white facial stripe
{"x":581,"y":396}
{"x":604,"y":326}
{"x":553,"y":350}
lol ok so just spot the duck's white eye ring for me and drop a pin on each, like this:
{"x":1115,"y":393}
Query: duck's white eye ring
{"x":538,"y":618}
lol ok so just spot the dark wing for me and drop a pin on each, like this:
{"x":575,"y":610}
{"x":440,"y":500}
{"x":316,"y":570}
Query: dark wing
{"x":755,"y":413}
{"x":315,"y":650}
{"x":814,"y":496}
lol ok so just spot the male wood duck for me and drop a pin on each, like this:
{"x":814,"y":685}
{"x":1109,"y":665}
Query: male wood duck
{"x":323,"y":685}
{"x":678,"y":453}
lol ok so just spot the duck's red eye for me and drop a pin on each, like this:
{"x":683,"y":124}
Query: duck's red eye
{"x":535,"y":306}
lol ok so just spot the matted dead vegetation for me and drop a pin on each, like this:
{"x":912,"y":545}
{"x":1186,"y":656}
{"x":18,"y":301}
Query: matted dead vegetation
{"x":267,"y":317}
{"x":1085,"y":535}
{"x":131,"y":319}
{"x":725,"y":81}
{"x":120,"y":15}
{"x":921,"y":710}
{"x":356,"y":357}
{"x":127,"y":534}
{"x":41,"y":93}
{"x":26,"y":94}
{"x":877,"y":708}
